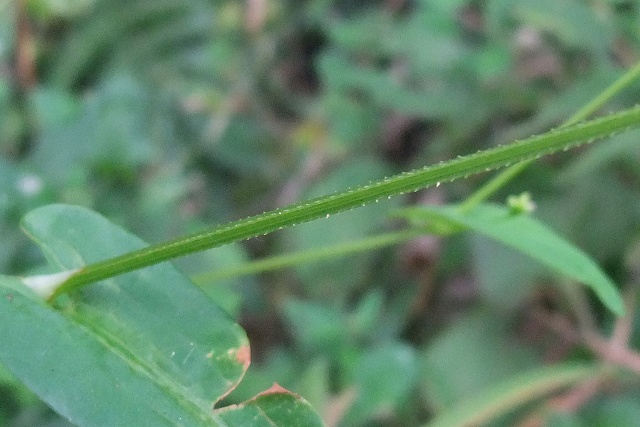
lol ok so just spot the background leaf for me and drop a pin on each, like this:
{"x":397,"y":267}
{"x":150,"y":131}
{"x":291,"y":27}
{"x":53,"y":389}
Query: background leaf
{"x":274,"y":407}
{"x":474,"y":353}
{"x":529,"y":236}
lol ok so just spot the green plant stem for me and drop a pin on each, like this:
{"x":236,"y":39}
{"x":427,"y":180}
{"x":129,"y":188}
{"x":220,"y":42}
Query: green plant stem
{"x":313,"y":255}
{"x":507,"y":395}
{"x":603,"y":97}
{"x":496,"y":183}
{"x":496,"y":157}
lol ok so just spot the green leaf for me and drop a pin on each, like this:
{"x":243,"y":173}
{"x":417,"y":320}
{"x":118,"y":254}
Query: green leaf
{"x":274,"y":407}
{"x":316,"y":326}
{"x":440,"y":101}
{"x":13,"y":394}
{"x":109,"y":38}
{"x":512,"y":393}
{"x":496,"y":283}
{"x":350,"y":121}
{"x":471,"y":355}
{"x":87,"y":375}
{"x":237,"y":149}
{"x":531,"y":237}
{"x":383,"y":377}
{"x":117,"y":118}
{"x":147,"y":348}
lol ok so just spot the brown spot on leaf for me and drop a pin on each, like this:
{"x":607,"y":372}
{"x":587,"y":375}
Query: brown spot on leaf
{"x":243,"y":355}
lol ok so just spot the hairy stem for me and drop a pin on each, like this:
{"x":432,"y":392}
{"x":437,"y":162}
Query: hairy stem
{"x":484,"y":192}
{"x":500,"y":156}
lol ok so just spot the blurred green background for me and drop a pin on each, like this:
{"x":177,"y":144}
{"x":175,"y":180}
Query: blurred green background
{"x":167,"y":116}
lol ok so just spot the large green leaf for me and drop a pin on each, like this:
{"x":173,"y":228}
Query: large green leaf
{"x":531,"y":237}
{"x":145,"y":348}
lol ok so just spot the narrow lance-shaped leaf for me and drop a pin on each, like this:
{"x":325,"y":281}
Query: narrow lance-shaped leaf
{"x":529,"y":236}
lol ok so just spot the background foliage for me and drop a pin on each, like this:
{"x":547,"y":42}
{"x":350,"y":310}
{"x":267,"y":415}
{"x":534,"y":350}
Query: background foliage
{"x":168,"y":115}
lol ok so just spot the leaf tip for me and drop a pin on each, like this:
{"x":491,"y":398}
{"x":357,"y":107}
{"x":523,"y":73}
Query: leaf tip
{"x":275,"y":389}
{"x":45,"y":285}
